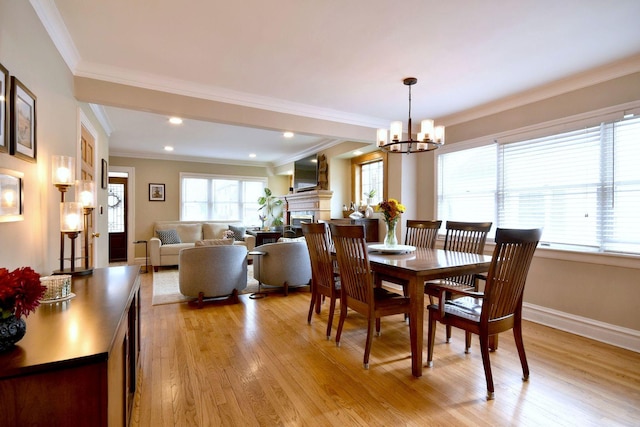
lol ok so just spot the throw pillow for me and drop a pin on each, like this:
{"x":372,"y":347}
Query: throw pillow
{"x":238,"y":232}
{"x":214,"y":242}
{"x":168,"y":237}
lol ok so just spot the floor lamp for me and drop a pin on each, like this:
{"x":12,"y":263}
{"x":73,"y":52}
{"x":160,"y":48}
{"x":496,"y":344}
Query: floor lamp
{"x":63,"y":177}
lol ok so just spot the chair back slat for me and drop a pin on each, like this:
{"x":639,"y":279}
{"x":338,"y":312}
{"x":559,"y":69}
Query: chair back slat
{"x":422,"y":233}
{"x":466,"y":237}
{"x":319,"y":247}
{"x":353,"y":261}
{"x":508,"y":272}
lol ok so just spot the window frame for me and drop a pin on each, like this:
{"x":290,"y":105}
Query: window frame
{"x":210,"y":178}
{"x":558,"y":126}
{"x":357,"y":195}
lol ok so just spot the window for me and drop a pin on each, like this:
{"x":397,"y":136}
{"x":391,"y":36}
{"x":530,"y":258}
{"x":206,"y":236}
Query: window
{"x":207,"y":197}
{"x":582,"y":186}
{"x":368,"y":176}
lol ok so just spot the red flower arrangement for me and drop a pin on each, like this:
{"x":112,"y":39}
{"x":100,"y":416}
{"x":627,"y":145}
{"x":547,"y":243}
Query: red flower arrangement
{"x":20,"y":292}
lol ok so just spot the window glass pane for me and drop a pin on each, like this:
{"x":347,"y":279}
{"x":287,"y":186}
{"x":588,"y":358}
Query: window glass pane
{"x":372,"y":177}
{"x":115,"y":210}
{"x":467,"y":185}
{"x":194,"y":199}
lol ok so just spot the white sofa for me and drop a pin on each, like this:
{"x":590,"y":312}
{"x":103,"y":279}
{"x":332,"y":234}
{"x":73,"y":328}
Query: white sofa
{"x":189,"y":232}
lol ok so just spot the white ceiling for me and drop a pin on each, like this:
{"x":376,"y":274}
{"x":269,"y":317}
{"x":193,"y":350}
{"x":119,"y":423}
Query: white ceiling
{"x":336,"y":59}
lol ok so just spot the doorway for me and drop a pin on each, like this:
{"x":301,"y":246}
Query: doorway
{"x":117,"y":210}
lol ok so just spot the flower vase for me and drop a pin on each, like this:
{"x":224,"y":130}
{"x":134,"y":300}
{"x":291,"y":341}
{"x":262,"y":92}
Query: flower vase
{"x":12,"y":329}
{"x":390,"y":238}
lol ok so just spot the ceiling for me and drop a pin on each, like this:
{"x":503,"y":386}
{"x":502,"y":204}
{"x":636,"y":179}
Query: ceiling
{"x":336,"y":60}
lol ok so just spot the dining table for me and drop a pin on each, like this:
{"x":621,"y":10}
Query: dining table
{"x":412,"y":267}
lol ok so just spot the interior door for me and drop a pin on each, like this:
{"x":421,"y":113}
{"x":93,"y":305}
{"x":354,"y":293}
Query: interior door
{"x":117,"y":206}
{"x":87,"y":173}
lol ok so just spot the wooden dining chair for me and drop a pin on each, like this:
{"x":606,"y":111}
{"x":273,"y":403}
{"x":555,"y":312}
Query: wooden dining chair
{"x":498,"y":308}
{"x":461,"y":237}
{"x":422,"y":233}
{"x":325,"y":281}
{"x":357,"y":288}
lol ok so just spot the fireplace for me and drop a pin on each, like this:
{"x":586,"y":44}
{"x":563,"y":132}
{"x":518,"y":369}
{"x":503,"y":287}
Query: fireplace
{"x":308,"y":206}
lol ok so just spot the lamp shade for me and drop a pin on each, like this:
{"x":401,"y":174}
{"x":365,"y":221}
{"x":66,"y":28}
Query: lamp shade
{"x":86,"y":193}
{"x":63,"y":170}
{"x":71,"y":219}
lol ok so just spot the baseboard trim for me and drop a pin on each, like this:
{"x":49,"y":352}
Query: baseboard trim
{"x":599,"y":331}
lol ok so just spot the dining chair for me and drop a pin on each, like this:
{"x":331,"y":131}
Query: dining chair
{"x":325,"y":281}
{"x":422,"y":233}
{"x":356,"y":283}
{"x":498,"y":308}
{"x":461,"y":237}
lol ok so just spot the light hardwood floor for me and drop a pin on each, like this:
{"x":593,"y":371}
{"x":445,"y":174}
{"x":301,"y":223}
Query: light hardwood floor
{"x":258,"y":363}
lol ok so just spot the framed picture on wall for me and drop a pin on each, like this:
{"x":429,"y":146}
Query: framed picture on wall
{"x":156,"y":192}
{"x":4,"y":117}
{"x":23,"y":121}
{"x":11,"y":189}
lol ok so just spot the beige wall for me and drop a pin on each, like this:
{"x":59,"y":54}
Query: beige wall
{"x":28,"y":53}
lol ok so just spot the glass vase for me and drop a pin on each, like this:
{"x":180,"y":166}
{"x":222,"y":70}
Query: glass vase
{"x":390,"y":238}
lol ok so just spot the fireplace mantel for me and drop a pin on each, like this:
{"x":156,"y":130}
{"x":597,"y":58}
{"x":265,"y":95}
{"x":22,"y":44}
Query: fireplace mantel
{"x":314,"y":202}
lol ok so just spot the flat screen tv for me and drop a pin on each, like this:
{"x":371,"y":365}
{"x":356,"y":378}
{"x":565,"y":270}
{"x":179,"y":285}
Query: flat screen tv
{"x":305,"y":174}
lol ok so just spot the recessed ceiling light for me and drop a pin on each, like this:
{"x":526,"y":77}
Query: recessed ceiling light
{"x":288,"y":134}
{"x":289,"y":172}
{"x":357,"y":153}
{"x":252,"y":155}
{"x":175,"y":120}
{"x":168,"y":148}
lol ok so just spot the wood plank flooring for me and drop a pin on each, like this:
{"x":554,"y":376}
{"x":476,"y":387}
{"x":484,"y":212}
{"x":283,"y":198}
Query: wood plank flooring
{"x":258,"y":363}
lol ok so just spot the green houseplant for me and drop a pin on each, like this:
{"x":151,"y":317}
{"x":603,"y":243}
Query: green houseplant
{"x":271,"y":208}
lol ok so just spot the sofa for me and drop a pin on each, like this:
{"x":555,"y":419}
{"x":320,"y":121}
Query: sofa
{"x":169,"y":237}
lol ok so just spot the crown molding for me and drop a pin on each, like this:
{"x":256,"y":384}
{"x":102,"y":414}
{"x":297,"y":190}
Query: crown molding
{"x":54,"y":25}
{"x":588,"y":78}
{"x":102,"y":117}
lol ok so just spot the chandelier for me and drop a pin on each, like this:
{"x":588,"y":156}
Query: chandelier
{"x":428,"y":139}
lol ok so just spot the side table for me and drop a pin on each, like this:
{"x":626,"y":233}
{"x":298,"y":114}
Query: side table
{"x":146,"y":254}
{"x":259,"y":294}
{"x":263,"y":237}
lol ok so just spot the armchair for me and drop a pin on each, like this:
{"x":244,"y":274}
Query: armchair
{"x":213,"y":272}
{"x":282,"y":264}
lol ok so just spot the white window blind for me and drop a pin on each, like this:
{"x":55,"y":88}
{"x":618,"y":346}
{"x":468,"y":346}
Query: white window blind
{"x":220,"y":198}
{"x":582,"y":186}
{"x":467,"y":185}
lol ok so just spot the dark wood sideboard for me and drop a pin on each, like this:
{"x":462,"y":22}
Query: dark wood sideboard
{"x":77,"y":363}
{"x":371,"y":233}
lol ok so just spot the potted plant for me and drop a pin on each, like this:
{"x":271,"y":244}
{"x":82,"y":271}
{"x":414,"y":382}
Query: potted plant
{"x":369,"y":196}
{"x":271,"y":207}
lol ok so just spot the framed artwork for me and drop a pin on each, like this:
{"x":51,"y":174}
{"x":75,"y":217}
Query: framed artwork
{"x":104,"y":181}
{"x":4,"y":113}
{"x":11,"y":195}
{"x":156,"y":192}
{"x":23,"y":121}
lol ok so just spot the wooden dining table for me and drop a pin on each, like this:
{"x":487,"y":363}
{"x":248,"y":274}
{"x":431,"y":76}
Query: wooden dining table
{"x":412,"y":269}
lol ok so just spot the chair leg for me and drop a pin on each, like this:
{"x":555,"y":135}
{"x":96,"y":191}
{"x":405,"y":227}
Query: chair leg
{"x":332,"y":309}
{"x":484,"y":349}
{"x":367,"y":347}
{"x":311,"y":304}
{"x":378,"y":327}
{"x":200,"y":299}
{"x":517,"y":335}
{"x":286,"y":289}
{"x":319,"y":302}
{"x":467,"y":341}
{"x":431,"y":336}
{"x":448,"y":328}
{"x":343,"y":316}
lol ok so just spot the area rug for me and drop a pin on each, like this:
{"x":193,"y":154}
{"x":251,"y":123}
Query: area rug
{"x":166,"y":288}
